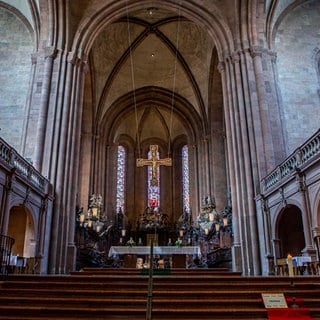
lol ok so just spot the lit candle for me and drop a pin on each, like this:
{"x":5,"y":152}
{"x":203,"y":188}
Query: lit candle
{"x":181,"y":233}
{"x":225,"y":221}
{"x":82,"y":216}
{"x":94,"y":212}
{"x":123,"y":232}
{"x":290,"y":265}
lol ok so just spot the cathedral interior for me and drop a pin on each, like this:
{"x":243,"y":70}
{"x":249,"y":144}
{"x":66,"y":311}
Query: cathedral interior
{"x":192,"y":120}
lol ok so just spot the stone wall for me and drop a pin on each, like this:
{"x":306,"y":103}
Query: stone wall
{"x":295,"y":43}
{"x":15,"y":66}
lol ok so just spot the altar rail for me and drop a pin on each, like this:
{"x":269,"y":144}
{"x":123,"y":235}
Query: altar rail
{"x":307,"y":153}
{"x":12,"y":158}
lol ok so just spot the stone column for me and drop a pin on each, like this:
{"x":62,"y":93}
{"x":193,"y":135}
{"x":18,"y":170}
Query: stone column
{"x":61,"y":209}
{"x":77,"y":102}
{"x":247,"y":179}
{"x":28,"y":103}
{"x":266,"y":221}
{"x":306,"y":214}
{"x":236,"y":246}
{"x":50,"y":53}
{"x":7,"y":203}
{"x":267,"y":109}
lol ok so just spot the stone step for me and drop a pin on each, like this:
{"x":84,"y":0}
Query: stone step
{"x":123,"y":294}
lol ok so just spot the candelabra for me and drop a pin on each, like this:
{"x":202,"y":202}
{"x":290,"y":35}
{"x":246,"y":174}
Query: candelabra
{"x":92,"y":234}
{"x":94,"y":219}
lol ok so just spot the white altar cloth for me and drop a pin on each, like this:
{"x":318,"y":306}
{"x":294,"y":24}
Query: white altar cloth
{"x":145,"y":250}
{"x":300,"y":261}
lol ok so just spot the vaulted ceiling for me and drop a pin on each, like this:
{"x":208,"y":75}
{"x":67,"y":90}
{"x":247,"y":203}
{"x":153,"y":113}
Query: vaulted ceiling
{"x":151,"y":50}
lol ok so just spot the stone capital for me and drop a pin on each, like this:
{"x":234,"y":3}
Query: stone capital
{"x":256,"y":51}
{"x":221,"y":66}
{"x":50,"y":52}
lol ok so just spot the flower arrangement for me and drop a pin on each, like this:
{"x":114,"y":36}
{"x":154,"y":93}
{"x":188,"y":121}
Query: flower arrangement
{"x":178,"y":243}
{"x":130,"y":243}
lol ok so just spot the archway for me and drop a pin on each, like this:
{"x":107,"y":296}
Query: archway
{"x":21,"y":229}
{"x":290,"y":232}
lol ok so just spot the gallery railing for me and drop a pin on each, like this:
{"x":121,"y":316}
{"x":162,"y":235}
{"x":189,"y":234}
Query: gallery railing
{"x":308,"y":152}
{"x":6,"y":244}
{"x":11,"y":157}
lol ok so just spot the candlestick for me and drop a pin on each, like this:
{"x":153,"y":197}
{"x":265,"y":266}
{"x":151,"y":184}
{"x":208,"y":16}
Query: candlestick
{"x":290,"y":265}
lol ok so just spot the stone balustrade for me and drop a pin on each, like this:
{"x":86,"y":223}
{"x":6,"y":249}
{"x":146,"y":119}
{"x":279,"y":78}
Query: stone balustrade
{"x":11,"y":157}
{"x":308,"y":152}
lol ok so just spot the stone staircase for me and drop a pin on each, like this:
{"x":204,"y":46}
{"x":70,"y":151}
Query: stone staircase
{"x":123,"y":293}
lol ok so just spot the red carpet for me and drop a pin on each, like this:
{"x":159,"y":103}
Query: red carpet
{"x":292,"y":314}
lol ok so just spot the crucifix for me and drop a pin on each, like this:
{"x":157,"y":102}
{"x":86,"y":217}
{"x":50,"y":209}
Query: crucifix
{"x":154,"y":162}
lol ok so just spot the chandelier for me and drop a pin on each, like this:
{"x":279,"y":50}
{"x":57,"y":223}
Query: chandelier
{"x":94,"y":219}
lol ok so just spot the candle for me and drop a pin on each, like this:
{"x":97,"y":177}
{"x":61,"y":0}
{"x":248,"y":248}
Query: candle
{"x":206,"y":231}
{"x":123,"y":232}
{"x":181,"y":233}
{"x":82,"y":217}
{"x":290,"y":265}
{"x":94,"y":212}
{"x":211,"y":217}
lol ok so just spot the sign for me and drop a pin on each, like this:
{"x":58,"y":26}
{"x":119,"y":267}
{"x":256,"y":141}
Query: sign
{"x":274,"y":300}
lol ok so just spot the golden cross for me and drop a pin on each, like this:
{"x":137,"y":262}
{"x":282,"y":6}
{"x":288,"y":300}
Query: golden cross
{"x":154,"y":162}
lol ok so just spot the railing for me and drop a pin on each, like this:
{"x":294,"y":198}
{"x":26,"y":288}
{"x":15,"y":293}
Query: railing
{"x":6,"y":244}
{"x":10,"y":156}
{"x":304,"y":154}
{"x":150,"y":283}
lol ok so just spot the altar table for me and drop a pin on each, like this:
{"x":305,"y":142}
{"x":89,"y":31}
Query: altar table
{"x":300,"y":261}
{"x":178,"y":253}
{"x":145,"y":250}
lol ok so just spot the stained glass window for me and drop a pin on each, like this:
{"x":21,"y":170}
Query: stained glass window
{"x":121,"y":174}
{"x":153,"y":191}
{"x":185,"y":178}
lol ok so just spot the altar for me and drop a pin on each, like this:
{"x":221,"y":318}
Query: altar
{"x":178,"y":254}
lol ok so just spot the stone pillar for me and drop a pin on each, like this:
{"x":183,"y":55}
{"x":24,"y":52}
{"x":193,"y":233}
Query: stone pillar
{"x":306,"y":214}
{"x":247,"y":167}
{"x":50,"y":53}
{"x":62,"y":167}
{"x":266,"y":225}
{"x":230,"y":137}
{"x":268,"y":113}
{"x":28,"y":103}
{"x":7,"y":202}
{"x":75,"y":159}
